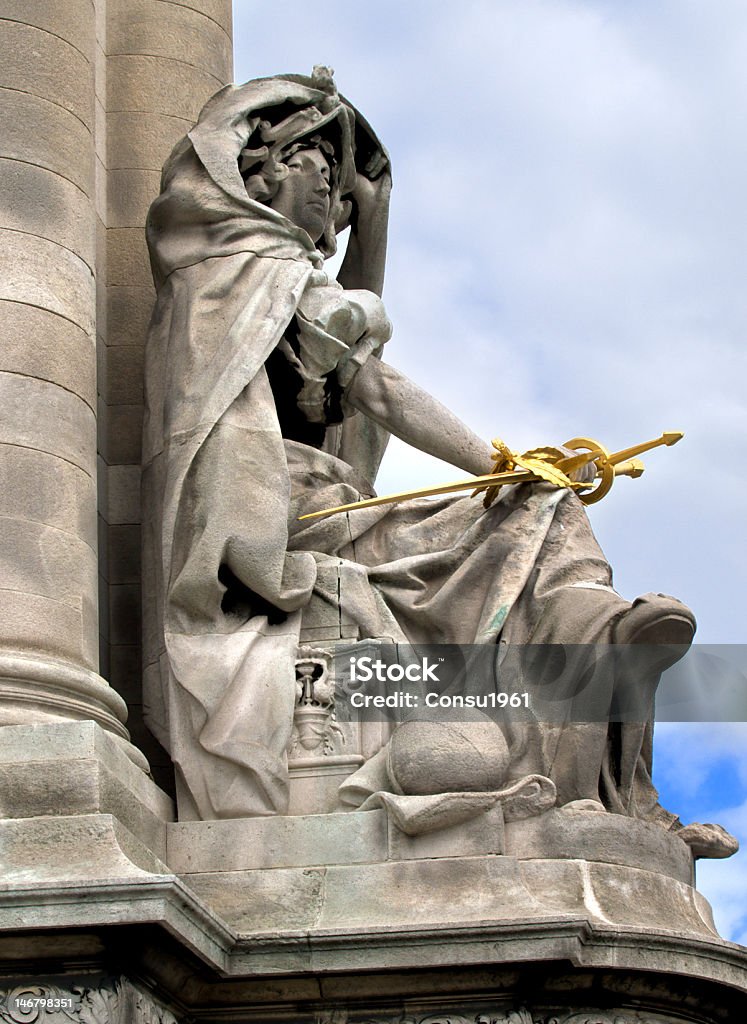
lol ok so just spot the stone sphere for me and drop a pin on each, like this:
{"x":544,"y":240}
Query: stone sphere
{"x":448,"y":757}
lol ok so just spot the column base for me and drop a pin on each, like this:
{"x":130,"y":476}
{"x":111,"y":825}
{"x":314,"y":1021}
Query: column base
{"x":49,"y":690}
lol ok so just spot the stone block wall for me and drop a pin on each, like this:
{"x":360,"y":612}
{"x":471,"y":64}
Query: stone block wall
{"x":163,"y":61}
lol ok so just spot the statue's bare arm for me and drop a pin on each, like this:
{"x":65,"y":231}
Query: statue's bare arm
{"x":367,"y":210}
{"x":411,"y":414}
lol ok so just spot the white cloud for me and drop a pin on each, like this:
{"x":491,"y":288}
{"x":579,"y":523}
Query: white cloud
{"x":692,"y":749}
{"x":702,"y":767}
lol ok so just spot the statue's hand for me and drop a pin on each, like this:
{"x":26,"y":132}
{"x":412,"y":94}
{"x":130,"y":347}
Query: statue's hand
{"x":585,"y":474}
{"x":366,"y":209}
{"x":369,"y":200}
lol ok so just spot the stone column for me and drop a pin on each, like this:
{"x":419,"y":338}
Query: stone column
{"x":48,"y":548}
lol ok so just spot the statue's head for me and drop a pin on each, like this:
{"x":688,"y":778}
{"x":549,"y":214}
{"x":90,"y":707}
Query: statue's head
{"x":302,"y":181}
{"x":304,"y":194}
{"x":300,"y":158}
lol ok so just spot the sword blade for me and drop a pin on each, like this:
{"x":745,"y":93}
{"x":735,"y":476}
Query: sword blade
{"x":471,"y":484}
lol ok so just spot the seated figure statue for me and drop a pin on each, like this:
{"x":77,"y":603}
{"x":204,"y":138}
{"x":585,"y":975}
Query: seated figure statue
{"x":266,"y":398}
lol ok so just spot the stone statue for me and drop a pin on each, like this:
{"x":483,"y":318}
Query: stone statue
{"x":267,"y":398}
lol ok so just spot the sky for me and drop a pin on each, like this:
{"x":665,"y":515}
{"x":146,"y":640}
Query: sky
{"x":566,"y":256}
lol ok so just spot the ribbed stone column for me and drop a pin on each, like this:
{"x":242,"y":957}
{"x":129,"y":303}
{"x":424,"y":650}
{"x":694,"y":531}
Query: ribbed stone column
{"x":48,"y":549}
{"x":163,"y":61}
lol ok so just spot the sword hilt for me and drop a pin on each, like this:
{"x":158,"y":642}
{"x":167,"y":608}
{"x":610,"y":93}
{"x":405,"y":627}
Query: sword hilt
{"x":611,"y":464}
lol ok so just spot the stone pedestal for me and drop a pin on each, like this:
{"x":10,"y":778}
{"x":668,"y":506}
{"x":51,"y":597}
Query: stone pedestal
{"x":314,"y":784}
{"x":567,"y":918}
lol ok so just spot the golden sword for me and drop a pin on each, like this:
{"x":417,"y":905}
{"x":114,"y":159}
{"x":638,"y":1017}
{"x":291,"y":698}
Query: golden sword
{"x":548,"y":465}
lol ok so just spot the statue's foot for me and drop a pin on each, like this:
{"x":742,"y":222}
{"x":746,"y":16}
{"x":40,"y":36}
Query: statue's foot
{"x":706,"y":840}
{"x":659,"y":621}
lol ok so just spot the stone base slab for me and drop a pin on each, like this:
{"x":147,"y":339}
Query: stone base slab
{"x":371,"y":837}
{"x":76,"y":768}
{"x":301,"y":841}
{"x":443,"y":897}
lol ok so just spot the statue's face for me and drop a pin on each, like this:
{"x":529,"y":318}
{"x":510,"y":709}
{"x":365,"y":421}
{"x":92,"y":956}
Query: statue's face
{"x":303,"y":196}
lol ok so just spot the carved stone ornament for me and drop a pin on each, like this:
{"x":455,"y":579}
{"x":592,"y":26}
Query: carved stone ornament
{"x":611,"y":1017}
{"x":520,"y":1016}
{"x":115,"y":1001}
{"x":524,"y":1016}
{"x":315,"y":729}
